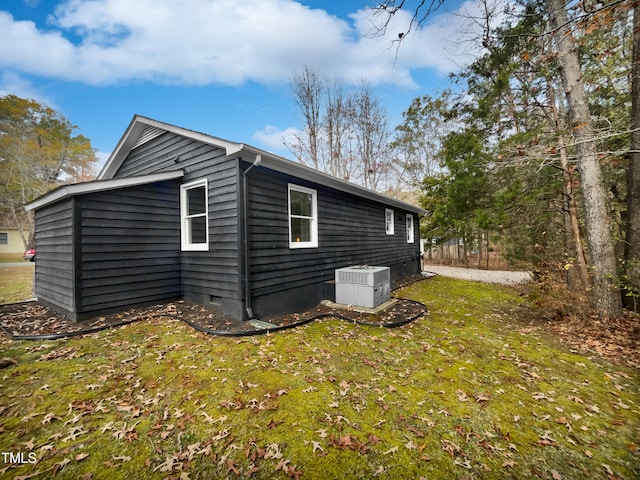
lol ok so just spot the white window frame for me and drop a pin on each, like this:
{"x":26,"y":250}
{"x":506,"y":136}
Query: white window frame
{"x":313,"y":243}
{"x":389,"y":221}
{"x":186,"y":243}
{"x":410,"y":230}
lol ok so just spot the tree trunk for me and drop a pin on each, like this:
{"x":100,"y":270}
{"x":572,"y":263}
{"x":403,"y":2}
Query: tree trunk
{"x":479,"y":259}
{"x":632,"y":250}
{"x":487,"y":244}
{"x":605,"y":295}
{"x":572,"y":212}
{"x":574,"y":233}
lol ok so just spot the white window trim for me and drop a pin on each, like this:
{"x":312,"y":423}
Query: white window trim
{"x":389,"y":226}
{"x":186,"y":245}
{"x":410,"y":230}
{"x":314,"y":218}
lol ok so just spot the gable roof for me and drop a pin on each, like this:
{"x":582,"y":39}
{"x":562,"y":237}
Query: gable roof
{"x":142,"y":129}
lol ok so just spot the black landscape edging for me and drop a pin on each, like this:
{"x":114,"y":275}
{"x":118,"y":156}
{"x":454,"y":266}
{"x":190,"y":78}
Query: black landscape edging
{"x":245,"y":333}
{"x":248,"y":333}
{"x":223,"y":333}
{"x":58,"y":336}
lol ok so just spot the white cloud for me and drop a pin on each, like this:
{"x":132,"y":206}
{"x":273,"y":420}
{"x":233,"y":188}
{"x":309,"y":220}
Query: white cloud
{"x":14,"y":84}
{"x":217,"y":42}
{"x":275,"y":139}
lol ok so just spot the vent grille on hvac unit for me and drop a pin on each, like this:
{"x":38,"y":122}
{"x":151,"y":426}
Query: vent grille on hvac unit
{"x":363,"y":275}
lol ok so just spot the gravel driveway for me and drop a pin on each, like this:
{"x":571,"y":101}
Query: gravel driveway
{"x":487,"y":276}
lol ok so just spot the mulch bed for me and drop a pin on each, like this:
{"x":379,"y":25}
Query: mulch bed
{"x":31,"y":319}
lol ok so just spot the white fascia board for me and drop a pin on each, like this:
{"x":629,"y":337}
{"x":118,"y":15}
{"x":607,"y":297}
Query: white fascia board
{"x":100,"y":186}
{"x":135,"y":128}
{"x":283,"y":165}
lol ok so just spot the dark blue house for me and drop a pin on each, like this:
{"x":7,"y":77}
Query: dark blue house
{"x":181,"y":214}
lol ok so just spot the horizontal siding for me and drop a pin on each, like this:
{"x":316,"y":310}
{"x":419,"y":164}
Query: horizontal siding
{"x":163,"y":153}
{"x":214,"y":273}
{"x":54,"y":247}
{"x":130,"y":244}
{"x":351,"y":231}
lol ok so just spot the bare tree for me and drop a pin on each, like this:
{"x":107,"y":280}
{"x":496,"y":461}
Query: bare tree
{"x":308,"y":90}
{"x":337,"y":132}
{"x":371,"y":133}
{"x":421,"y":9}
{"x":346,"y":132}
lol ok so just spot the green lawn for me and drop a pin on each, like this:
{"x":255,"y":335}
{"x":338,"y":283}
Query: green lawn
{"x":15,"y":283}
{"x":466,"y":392}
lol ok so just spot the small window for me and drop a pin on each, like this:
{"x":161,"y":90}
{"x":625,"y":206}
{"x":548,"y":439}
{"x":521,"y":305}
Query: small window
{"x":303,"y":217}
{"x":194,"y":214}
{"x":409,"y":228}
{"x":388,"y":220}
{"x":4,"y":238}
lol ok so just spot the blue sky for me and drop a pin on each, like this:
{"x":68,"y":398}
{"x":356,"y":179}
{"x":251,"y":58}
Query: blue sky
{"x":221,"y":67}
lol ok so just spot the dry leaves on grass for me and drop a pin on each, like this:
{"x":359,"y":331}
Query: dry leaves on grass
{"x":616,"y":339}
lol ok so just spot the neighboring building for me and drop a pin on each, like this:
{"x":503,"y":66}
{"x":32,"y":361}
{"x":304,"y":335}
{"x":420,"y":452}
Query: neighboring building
{"x":11,"y":242}
{"x":177,"y":213}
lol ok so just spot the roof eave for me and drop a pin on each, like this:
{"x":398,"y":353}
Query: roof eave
{"x":66,"y":191}
{"x":284,"y":165}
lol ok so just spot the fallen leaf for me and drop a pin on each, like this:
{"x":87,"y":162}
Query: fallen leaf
{"x":59,"y":466}
{"x":391,"y":450}
{"x":607,"y":468}
{"x":30,"y":444}
{"x":482,"y":397}
{"x":466,"y":463}
{"x":231,"y":466}
{"x":415,"y":431}
{"x":462,"y":396}
{"x":317,"y":446}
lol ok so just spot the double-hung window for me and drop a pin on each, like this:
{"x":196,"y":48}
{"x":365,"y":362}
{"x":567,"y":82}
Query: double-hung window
{"x":303,"y":217}
{"x":409,"y":228}
{"x":388,"y":221}
{"x":194,"y":215}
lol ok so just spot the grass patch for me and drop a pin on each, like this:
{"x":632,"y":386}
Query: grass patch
{"x":15,"y":283}
{"x":463,"y":392}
